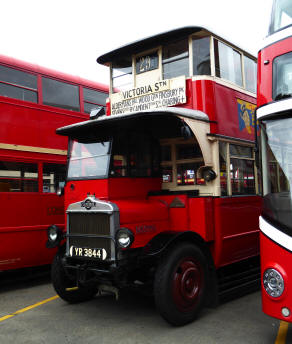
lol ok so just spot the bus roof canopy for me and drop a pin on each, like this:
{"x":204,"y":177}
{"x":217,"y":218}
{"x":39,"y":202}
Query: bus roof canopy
{"x":104,"y":122}
{"x":152,"y":41}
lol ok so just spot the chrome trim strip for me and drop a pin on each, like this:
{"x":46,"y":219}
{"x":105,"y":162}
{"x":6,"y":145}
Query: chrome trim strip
{"x":99,"y":206}
{"x":274,"y":234}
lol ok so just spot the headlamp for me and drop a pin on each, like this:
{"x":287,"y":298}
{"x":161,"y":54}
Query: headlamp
{"x":55,"y":235}
{"x":124,"y":238}
{"x":273,"y":282}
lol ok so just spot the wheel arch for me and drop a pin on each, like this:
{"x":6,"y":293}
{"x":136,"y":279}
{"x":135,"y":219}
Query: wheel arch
{"x":161,"y":244}
{"x":165,"y":241}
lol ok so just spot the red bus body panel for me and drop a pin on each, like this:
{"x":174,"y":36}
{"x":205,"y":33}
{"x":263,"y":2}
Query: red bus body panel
{"x":220,"y":103}
{"x":275,"y":257}
{"x":229,"y":224}
{"x":265,"y":71}
{"x":27,"y":128}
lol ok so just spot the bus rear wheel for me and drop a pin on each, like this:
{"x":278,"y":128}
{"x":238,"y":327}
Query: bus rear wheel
{"x":66,"y":287}
{"x":180,"y":284}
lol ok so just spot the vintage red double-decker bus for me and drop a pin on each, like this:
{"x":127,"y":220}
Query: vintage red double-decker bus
{"x":34,"y":101}
{"x":274,"y":115}
{"x":162,"y":190}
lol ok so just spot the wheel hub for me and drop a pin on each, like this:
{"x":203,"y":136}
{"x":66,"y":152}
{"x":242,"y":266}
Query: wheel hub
{"x":187,"y":283}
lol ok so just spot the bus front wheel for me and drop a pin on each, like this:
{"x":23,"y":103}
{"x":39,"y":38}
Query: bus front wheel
{"x":66,"y":287}
{"x":180,"y":284}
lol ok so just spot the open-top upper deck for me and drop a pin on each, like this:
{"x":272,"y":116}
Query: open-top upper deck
{"x":189,"y":51}
{"x":189,"y":67}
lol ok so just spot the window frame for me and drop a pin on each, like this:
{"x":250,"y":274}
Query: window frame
{"x":40,"y":169}
{"x":41,"y":182}
{"x":242,"y":56}
{"x":35,"y":90}
{"x":83,"y":101}
{"x":174,"y":162}
{"x":37,"y":178}
{"x":189,"y":57}
{"x":241,"y":62}
{"x":228,"y":159}
{"x":43,"y":76}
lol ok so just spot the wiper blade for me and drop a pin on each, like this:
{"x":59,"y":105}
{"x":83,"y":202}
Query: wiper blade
{"x":283,"y":96}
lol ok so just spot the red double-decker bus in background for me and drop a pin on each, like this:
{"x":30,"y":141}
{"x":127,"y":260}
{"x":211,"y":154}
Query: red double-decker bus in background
{"x":274,"y":114}
{"x":162,"y":191}
{"x":34,"y":101}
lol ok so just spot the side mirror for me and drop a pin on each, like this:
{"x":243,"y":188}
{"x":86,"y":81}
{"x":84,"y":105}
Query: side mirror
{"x":206,"y":173}
{"x":209,"y":175}
{"x":95,"y":113}
{"x":60,"y":189}
{"x":186,"y":132}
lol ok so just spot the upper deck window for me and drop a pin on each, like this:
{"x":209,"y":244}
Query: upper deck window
{"x":122,"y":77}
{"x":60,"y":94}
{"x":18,"y":85}
{"x":281,"y":15}
{"x":201,"y":56}
{"x":93,"y":99}
{"x":237,"y":168}
{"x":250,"y":73}
{"x":282,"y":76}
{"x":146,"y":63}
{"x":228,"y":63}
{"x":175,"y":59}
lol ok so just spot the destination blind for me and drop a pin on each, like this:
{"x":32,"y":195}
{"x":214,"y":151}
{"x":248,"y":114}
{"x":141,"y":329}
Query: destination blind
{"x":148,"y":97}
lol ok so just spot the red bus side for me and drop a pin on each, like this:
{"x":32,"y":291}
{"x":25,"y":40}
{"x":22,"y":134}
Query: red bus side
{"x":27,"y":135}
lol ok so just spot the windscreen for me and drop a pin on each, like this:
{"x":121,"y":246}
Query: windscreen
{"x":126,"y":154}
{"x":276,"y":151}
{"x":88,"y":160}
{"x":282,"y":76}
{"x":281,"y":15}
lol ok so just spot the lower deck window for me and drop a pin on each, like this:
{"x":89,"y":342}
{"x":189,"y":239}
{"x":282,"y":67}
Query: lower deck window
{"x":53,"y":177}
{"x":242,"y":177}
{"x":237,"y":170}
{"x":18,"y":177}
{"x":180,"y":162}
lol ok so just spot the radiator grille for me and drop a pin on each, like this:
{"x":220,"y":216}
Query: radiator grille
{"x":89,"y":223}
{"x":88,"y":229}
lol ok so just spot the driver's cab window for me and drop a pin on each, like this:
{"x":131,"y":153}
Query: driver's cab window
{"x":134,"y":155}
{"x":180,"y":161}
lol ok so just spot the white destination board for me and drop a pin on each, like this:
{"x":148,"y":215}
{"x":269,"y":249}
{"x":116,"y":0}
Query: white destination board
{"x":153,"y":96}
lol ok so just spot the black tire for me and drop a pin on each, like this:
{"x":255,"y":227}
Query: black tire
{"x":180,"y":285}
{"x":62,"y":284}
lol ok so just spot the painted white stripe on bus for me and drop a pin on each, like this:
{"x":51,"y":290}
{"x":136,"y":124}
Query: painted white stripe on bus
{"x":278,"y":36}
{"x":273,"y":108}
{"x":273,"y":233}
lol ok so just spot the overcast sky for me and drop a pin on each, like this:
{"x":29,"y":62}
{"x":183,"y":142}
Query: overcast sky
{"x":68,"y":35}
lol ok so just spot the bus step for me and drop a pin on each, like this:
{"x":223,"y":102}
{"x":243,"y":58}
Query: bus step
{"x":238,"y":291}
{"x":238,"y":280}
